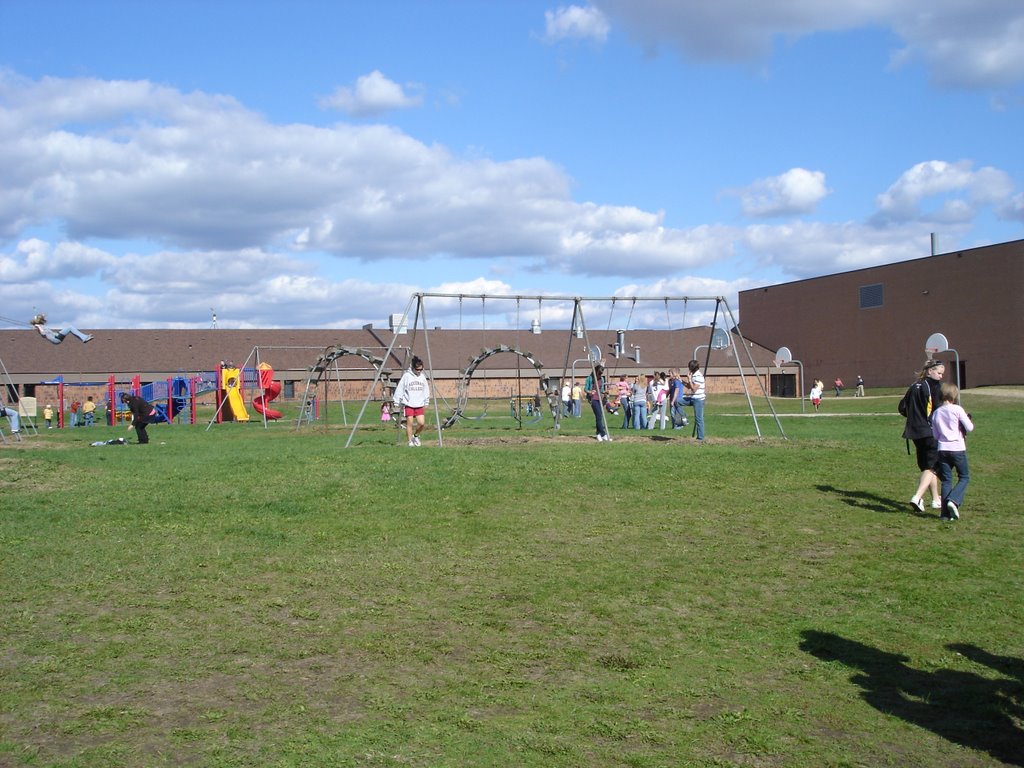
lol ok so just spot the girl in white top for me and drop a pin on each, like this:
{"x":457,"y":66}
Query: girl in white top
{"x":413,"y":393}
{"x":693,"y":386}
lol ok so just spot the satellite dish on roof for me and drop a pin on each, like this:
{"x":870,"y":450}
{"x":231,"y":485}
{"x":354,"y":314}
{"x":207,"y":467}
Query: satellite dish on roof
{"x":783,"y":356}
{"x":936,"y":343}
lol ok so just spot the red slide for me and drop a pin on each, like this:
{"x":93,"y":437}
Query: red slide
{"x":271,"y":389}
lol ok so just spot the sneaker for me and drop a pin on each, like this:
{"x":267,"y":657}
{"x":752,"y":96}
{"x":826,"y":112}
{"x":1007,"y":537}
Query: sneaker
{"x":416,"y":440}
{"x":954,"y":510}
{"x":607,"y":438}
{"x":599,"y":438}
{"x":412,"y":443}
{"x":936,"y":503}
{"x":917,"y":504}
{"x":686,"y":423}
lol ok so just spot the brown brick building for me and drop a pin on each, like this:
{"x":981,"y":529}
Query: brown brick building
{"x":875,"y":322}
{"x":158,"y":355}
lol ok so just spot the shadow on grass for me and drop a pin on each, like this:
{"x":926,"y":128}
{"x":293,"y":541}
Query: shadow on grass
{"x":963,"y":707}
{"x":873,"y":502}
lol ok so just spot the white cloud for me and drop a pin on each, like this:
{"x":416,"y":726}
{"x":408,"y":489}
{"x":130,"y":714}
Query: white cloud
{"x":372,"y":94}
{"x":939,"y":181}
{"x":806,"y":249}
{"x":575,"y":22}
{"x":797,"y":191}
{"x":974,"y":45}
{"x":211,"y":205}
{"x":1013,"y":209}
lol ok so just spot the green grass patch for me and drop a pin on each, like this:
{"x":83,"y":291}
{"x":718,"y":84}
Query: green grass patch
{"x":247,"y":596}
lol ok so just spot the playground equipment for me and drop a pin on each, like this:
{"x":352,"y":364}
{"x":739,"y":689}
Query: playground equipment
{"x":271,"y":389}
{"x":173,"y":399}
{"x":229,"y":395}
{"x":326,"y":363}
{"x":577,"y":330}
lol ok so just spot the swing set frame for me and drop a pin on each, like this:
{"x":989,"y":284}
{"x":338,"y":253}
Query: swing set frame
{"x":417,"y":307}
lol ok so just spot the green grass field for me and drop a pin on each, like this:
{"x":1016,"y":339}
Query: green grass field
{"x":264,"y":597}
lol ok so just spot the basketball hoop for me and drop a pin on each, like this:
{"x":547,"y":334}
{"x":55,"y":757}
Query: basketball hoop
{"x":936,"y":343}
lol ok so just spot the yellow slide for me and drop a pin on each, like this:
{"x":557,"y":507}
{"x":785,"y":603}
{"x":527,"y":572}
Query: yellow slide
{"x":230,"y":378}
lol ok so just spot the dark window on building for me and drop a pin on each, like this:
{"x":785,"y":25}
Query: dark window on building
{"x":871,"y":296}
{"x":288,"y":391}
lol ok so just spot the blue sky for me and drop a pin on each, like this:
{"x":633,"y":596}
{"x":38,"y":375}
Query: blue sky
{"x":312,"y":164}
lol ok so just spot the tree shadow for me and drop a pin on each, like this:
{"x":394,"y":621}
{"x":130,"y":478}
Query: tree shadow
{"x":873,"y":502}
{"x":965,"y":708}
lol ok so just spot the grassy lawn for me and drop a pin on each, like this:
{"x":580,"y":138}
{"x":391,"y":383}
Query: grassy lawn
{"x":263,"y":597}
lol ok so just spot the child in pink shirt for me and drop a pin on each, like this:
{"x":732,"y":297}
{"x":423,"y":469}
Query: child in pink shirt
{"x":950,"y":424}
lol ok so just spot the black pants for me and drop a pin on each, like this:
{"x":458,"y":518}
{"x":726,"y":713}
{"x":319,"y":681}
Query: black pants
{"x":140,"y":430}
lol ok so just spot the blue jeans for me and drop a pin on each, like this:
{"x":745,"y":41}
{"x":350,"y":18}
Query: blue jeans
{"x":14,"y":417}
{"x":658,"y":413}
{"x":640,"y":414}
{"x":678,"y":412}
{"x":577,"y":408}
{"x":600,"y":426}
{"x":627,"y":413}
{"x":947,"y":461}
{"x":698,"y":413}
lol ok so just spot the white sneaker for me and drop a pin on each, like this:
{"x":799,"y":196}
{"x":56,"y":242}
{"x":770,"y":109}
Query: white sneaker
{"x":416,"y":440}
{"x":954,"y":510}
{"x":936,"y":503}
{"x":607,"y":438}
{"x":412,"y":443}
{"x":599,"y":438}
{"x":917,"y":504}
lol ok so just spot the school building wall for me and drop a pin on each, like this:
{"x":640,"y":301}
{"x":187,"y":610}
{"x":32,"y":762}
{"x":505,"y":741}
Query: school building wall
{"x":874,"y":322}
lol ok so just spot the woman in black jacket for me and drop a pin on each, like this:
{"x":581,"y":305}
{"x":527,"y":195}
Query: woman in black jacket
{"x":143,"y":413}
{"x":923,"y":397}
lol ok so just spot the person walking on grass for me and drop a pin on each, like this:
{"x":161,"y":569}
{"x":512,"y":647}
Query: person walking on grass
{"x":918,"y":403}
{"x":142,"y":412}
{"x":950,"y":425}
{"x":413,"y":394}
{"x":816,"y":394}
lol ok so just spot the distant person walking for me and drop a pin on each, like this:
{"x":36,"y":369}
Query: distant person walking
{"x":860,"y":386}
{"x":918,"y":403}
{"x":838,"y":386}
{"x":413,"y":394}
{"x":815,"y":394}
{"x":950,"y":425}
